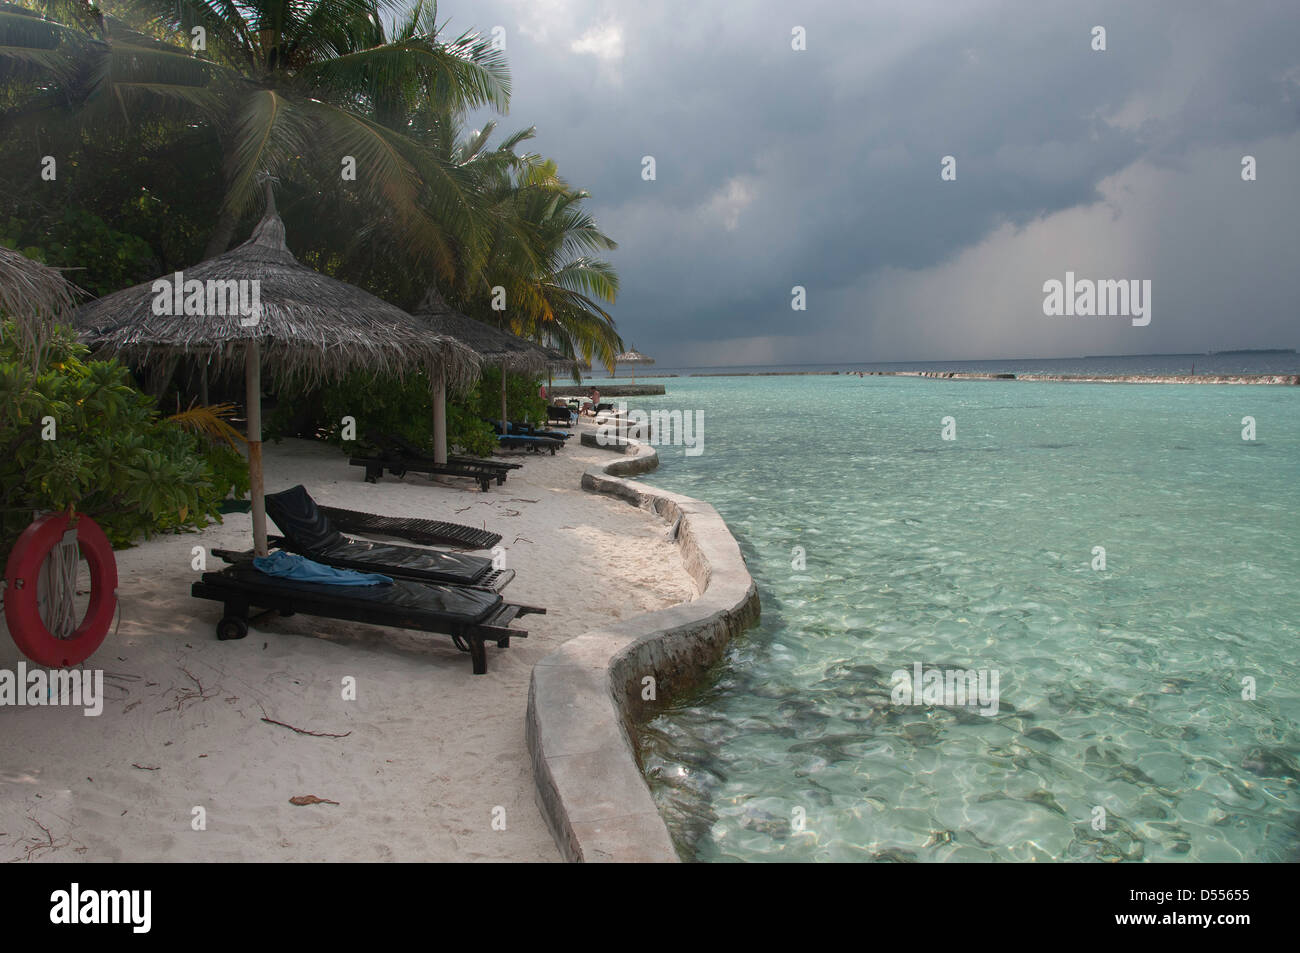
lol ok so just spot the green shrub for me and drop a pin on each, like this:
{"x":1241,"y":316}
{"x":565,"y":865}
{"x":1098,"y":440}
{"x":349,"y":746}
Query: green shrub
{"x":78,"y":237}
{"x":522,"y":402}
{"x":467,"y":432}
{"x":388,"y":406}
{"x":111,"y":456}
{"x":380,"y":406}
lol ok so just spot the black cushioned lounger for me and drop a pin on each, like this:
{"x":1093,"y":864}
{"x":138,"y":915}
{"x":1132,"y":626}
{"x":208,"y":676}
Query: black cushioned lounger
{"x":308,"y":531}
{"x":470,"y":616}
{"x":425,"y":532}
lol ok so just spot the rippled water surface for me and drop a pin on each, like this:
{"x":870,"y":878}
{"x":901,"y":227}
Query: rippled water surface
{"x":1120,"y":690}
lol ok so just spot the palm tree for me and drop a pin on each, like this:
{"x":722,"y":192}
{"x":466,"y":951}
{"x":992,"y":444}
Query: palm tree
{"x":539,"y":252}
{"x":290,"y":87}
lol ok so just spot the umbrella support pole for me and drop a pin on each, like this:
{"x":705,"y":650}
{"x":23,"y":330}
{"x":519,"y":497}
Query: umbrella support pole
{"x":440,"y":419}
{"x":256,"y":485}
{"x":505,"y":426}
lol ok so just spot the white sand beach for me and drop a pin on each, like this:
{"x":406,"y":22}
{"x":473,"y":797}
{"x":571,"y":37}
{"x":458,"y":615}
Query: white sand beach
{"x":427,"y":750}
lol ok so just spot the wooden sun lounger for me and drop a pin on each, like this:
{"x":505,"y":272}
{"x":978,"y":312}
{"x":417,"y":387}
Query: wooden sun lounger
{"x":395,"y":448}
{"x":559,"y":415}
{"x":400,"y":455}
{"x":518,"y":429}
{"x":535,"y":443}
{"x":492,"y":581}
{"x":399,"y":467}
{"x":528,"y":430}
{"x":470,"y":616}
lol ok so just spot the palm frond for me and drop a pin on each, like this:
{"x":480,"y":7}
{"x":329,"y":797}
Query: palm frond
{"x":444,"y":75}
{"x":589,"y":276}
{"x":211,"y":422}
{"x":270,"y":131}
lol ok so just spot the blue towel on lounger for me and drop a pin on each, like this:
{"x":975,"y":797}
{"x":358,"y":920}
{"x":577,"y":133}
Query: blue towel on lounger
{"x":293,"y":566}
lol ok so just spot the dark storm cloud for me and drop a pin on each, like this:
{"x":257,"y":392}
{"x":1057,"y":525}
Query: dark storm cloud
{"x":821,"y":168}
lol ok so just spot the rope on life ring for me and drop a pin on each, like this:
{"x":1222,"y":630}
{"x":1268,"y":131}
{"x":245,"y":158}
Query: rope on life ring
{"x":24,"y":589}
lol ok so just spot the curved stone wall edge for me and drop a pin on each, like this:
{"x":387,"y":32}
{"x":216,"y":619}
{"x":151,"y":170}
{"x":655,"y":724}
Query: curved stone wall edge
{"x":585,"y":698}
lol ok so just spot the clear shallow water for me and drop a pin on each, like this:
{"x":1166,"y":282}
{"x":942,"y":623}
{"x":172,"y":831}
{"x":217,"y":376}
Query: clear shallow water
{"x":1119,"y":689}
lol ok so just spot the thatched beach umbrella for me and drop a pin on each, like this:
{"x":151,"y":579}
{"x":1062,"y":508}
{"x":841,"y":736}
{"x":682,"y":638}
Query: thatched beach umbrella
{"x":307,"y":327}
{"x":493,"y":345}
{"x":34,"y":297}
{"x":632,"y":357}
{"x":557,"y":361}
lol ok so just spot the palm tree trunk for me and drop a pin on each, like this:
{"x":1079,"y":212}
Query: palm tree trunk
{"x":440,"y":418}
{"x":505,"y":424}
{"x":227,"y":219}
{"x":221,"y":235}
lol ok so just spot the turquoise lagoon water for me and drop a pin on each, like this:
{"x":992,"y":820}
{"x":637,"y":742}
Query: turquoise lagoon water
{"x":1119,"y":689}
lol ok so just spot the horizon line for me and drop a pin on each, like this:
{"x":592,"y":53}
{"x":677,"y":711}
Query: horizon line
{"x":1071,"y":357}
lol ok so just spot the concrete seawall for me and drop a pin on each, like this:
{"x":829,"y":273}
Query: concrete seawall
{"x":587,"y":696}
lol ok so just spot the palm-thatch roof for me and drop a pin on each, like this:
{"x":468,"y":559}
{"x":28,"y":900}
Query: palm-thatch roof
{"x":311,"y":327}
{"x":557,"y":361}
{"x":493,"y":345}
{"x":34,"y":296}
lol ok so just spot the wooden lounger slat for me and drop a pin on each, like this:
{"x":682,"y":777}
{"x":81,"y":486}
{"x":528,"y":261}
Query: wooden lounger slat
{"x":483,"y":462}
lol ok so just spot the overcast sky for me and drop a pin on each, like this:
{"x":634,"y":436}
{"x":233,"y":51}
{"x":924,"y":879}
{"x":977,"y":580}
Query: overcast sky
{"x":821,"y":168}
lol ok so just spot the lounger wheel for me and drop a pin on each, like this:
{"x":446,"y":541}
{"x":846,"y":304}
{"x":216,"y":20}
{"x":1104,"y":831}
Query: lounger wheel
{"x":232,"y":627}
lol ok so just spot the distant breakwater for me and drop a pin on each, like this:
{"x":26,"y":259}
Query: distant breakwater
{"x":641,"y":390}
{"x":609,"y":390}
{"x":1285,"y":379}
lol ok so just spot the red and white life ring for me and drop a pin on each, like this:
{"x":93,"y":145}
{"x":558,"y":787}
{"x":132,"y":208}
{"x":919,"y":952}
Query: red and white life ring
{"x":22,"y":573}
